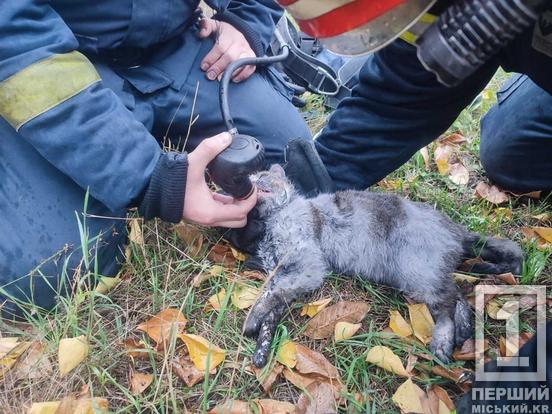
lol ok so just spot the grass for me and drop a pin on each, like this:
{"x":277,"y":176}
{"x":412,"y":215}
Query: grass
{"x":159,"y":274}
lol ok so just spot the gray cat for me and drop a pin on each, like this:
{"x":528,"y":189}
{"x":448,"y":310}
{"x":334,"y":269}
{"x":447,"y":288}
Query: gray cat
{"x":379,"y":237}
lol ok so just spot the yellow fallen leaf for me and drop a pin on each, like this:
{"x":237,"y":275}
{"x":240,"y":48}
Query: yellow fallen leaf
{"x":287,"y":354}
{"x":384,"y":358}
{"x":442,"y":156}
{"x":82,"y":405}
{"x":245,"y":296}
{"x":8,"y":360}
{"x":216,"y":301}
{"x":71,"y":352}
{"x":135,"y":234}
{"x":543,"y":217}
{"x":323,"y":324}
{"x":421,"y":321}
{"x":239,"y":256}
{"x":160,"y":326}
{"x":47,"y":407}
{"x":544,"y":232}
{"x":345,"y":330}
{"x":407,"y":397}
{"x":203,"y":353}
{"x":266,"y":406}
{"x":139,"y":382}
{"x":424,"y":152}
{"x":460,"y":277}
{"x":311,"y":309}
{"x":7,"y":344}
{"x":105,"y":284}
{"x":399,"y":325}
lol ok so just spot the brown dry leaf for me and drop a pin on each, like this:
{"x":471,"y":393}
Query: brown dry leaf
{"x":411,"y":363}
{"x":442,"y":155}
{"x":543,"y":217}
{"x":245,"y":296}
{"x":191,"y":236}
{"x":530,"y":234}
{"x":408,"y":397}
{"x":531,"y":194}
{"x":287,"y":353}
{"x":468,"y":350}
{"x":385,"y":358}
{"x":184,"y":368}
{"x":47,"y":407}
{"x":398,"y":324}
{"x":135,"y":349}
{"x":459,"y":174}
{"x":323,"y":324}
{"x":253,"y":275}
{"x":266,"y":406}
{"x":202,"y":352}
{"x":299,"y":380}
{"x":424,"y":152}
{"x":71,"y":352}
{"x":239,"y":256}
{"x":460,"y":376}
{"x":135,"y":234}
{"x":491,"y":193}
{"x":311,"y":309}
{"x":32,"y":364}
{"x":508,"y":278}
{"x":345,"y":330}
{"x":11,"y":357}
{"x":222,"y":254}
{"x":318,"y":398}
{"x":421,"y":321}
{"x":160,"y":326}
{"x":232,"y":407}
{"x":82,"y":405}
{"x":438,"y":395}
{"x":216,"y":301}
{"x":460,"y":277}
{"x":267,"y":378}
{"x":455,"y":138}
{"x":313,"y":362}
{"x":139,"y":382}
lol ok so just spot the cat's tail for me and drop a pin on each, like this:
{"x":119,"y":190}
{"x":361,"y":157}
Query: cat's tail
{"x":499,"y":255}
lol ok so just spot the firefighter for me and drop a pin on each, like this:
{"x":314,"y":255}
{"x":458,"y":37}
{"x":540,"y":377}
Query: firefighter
{"x":90,"y":95}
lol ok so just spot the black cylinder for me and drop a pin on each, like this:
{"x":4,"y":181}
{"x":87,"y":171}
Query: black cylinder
{"x":470,"y":32}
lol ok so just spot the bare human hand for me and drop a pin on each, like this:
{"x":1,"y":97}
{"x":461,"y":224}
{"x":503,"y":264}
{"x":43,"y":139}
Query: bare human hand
{"x":203,"y":206}
{"x":230,"y":45}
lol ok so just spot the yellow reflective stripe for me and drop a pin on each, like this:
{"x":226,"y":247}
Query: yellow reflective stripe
{"x":428,"y":18}
{"x":44,"y":85}
{"x":418,"y":28}
{"x":409,"y":37}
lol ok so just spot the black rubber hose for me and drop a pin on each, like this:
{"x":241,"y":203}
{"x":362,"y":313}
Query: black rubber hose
{"x":225,"y":81}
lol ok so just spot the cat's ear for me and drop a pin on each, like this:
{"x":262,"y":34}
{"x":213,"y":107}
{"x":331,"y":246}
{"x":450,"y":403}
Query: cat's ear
{"x":276,"y":169}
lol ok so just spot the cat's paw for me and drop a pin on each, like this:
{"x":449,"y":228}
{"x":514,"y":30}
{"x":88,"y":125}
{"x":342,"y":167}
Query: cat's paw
{"x":442,"y":349}
{"x":462,"y":323}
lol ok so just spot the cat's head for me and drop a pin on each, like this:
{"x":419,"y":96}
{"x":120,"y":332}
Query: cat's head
{"x":273,"y":188}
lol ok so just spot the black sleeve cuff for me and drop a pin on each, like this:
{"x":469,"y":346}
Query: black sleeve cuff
{"x":250,"y":35}
{"x":164,"y":197}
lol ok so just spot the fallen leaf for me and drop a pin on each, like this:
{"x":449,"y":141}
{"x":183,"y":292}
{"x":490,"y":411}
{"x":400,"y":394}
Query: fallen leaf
{"x":421,"y":321}
{"x":491,"y":193}
{"x":82,"y":405}
{"x":467,"y":351}
{"x":318,"y":398}
{"x":438,"y":395}
{"x":460,"y":376}
{"x":531,"y":194}
{"x":239,"y":256}
{"x":442,"y":155}
{"x":313,"y":362}
{"x":455,"y":138}
{"x":135,"y":349}
{"x":345,"y":330}
{"x":160,"y":326}
{"x":11,"y":357}
{"x":245,"y":296}
{"x":71,"y":352}
{"x":191,"y":236}
{"x":135,"y":235}
{"x":139,"y":382}
{"x":311,"y":309}
{"x":543,"y":217}
{"x":398,"y":324}
{"x":185,"y":369}
{"x":287,"y":353}
{"x":424,"y":152}
{"x":390,"y":185}
{"x":214,"y":271}
{"x":407,"y":397}
{"x":253,"y":274}
{"x":544,"y":232}
{"x":105,"y":284}
{"x":460,"y":277}
{"x":232,"y":407}
{"x":216,"y":301}
{"x":508,"y":278}
{"x":299,"y":380}
{"x":47,"y":407}
{"x":459,"y":174}
{"x":530,"y":235}
{"x":322,"y":325}
{"x":266,"y":406}
{"x":503,"y":213}
{"x":222,"y":254}
{"x":385,"y":358}
{"x":267,"y":377}
{"x":202,"y":352}
{"x":411,"y":363}
{"x":33,"y":364}
{"x":7,"y":344}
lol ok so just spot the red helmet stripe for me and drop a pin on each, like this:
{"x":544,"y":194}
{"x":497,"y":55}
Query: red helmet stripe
{"x":345,"y":18}
{"x":285,"y":3}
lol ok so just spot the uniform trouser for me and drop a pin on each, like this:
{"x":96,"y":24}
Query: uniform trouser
{"x":398,"y":107}
{"x":40,"y":242}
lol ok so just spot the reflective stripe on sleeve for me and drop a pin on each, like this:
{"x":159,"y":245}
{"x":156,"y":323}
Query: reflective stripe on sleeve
{"x":44,"y":85}
{"x":412,"y":34}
